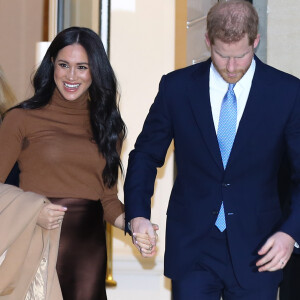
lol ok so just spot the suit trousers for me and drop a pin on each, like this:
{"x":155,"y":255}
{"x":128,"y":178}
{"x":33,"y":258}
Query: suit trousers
{"x":213,"y":276}
{"x":290,"y":286}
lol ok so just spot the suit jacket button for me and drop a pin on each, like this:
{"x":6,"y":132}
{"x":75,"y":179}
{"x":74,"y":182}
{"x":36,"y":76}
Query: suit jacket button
{"x":225,"y":184}
{"x":215,"y":212}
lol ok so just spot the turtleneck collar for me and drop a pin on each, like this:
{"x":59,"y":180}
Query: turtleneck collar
{"x":58,"y":100}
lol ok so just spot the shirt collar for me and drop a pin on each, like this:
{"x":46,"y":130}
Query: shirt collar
{"x":221,"y":84}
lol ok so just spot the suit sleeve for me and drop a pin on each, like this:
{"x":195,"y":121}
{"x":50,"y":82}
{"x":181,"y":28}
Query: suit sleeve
{"x":149,"y":154}
{"x":291,"y":225}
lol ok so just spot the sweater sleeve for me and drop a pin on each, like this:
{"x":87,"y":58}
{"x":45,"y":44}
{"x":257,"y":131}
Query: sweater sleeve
{"x":11,"y":140}
{"x":112,"y":206}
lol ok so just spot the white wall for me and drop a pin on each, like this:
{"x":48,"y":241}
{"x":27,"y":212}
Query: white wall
{"x":142,"y":50}
{"x":283,"y":35}
{"x":21,"y":26}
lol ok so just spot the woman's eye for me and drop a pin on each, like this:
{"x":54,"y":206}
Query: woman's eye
{"x":82,"y":67}
{"x":63,"y":65}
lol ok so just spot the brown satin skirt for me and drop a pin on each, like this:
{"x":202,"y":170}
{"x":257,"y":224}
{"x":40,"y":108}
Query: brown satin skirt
{"x":81,"y":262}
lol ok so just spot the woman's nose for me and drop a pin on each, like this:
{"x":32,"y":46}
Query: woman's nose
{"x":71,"y":75}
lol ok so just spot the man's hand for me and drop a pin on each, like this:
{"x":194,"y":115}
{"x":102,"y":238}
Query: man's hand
{"x":276,"y":252}
{"x":144,"y":236}
{"x":51,"y":216}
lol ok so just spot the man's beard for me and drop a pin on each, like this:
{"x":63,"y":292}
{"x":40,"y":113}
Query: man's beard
{"x":238,"y":74}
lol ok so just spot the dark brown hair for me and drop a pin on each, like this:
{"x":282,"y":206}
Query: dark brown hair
{"x":107,"y":125}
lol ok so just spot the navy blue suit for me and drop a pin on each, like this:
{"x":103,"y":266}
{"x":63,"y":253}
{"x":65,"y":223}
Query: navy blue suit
{"x":269,"y":127}
{"x":13,"y":177}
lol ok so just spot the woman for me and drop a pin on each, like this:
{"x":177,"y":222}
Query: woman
{"x":67,"y":139}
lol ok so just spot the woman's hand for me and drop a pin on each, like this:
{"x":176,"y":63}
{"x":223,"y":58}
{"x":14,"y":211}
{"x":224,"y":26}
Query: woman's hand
{"x":51,"y":216}
{"x":143,"y":242}
{"x":120,"y":221}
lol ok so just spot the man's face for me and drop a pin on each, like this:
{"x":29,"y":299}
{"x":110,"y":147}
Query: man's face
{"x":232,"y":60}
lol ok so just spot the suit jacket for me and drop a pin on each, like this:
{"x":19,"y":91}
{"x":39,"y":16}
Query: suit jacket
{"x":27,"y":252}
{"x":270,"y":125}
{"x":13,"y":177}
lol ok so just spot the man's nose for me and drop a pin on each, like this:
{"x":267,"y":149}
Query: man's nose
{"x":231,"y":64}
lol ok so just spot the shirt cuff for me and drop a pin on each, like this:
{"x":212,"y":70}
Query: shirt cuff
{"x":129,"y":228}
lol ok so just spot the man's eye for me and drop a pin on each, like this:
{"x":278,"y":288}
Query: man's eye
{"x":222,"y":56}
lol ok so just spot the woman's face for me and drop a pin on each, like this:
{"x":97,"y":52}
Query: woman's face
{"x":72,"y":74}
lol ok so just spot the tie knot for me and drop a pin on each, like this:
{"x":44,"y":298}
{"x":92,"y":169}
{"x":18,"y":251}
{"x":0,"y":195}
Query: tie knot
{"x":231,"y":86}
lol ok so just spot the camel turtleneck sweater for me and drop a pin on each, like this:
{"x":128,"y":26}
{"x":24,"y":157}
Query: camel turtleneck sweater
{"x":56,"y":155}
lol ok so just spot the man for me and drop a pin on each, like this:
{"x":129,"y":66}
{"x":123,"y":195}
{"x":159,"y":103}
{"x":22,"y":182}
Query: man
{"x":232,"y":119}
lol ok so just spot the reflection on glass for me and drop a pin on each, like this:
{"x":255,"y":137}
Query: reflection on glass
{"x":83,"y":13}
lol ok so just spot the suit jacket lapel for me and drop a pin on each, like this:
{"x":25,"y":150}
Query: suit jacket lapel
{"x":253,"y":114}
{"x":198,"y":94}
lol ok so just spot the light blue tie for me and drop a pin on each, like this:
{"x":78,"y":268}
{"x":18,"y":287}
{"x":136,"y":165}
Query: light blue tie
{"x":226,"y":135}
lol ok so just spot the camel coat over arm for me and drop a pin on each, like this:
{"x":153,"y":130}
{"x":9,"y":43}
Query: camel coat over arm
{"x":28,"y":252}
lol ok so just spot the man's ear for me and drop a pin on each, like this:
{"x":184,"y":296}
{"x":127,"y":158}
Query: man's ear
{"x":256,"y":41}
{"x":207,"y":40}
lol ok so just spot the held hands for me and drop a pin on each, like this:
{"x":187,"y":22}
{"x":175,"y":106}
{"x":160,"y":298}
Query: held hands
{"x":275,"y":252}
{"x":51,"y":216}
{"x":144,"y":236}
